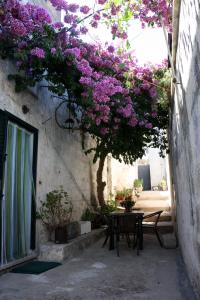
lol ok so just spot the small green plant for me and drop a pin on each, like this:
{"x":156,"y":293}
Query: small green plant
{"x":56,"y":210}
{"x":138,"y":183}
{"x":128,"y":193}
{"x":163,"y":185}
{"x":123,"y":194}
{"x":109,"y":207}
{"x":119,"y":195}
{"x":88,"y":215}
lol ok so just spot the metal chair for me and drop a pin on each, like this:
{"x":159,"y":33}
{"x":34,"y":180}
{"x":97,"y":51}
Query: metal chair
{"x":147,"y":226}
{"x":107,"y":221}
{"x":127,"y":225}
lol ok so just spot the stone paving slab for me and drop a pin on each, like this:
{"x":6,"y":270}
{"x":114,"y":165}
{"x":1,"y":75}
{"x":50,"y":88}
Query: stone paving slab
{"x":156,"y":274}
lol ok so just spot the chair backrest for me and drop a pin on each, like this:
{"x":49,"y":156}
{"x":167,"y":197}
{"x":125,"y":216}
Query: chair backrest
{"x":155,"y":214}
{"x":127,"y":223}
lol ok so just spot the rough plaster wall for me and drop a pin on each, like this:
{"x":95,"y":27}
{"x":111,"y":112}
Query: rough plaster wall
{"x":157,"y":166}
{"x":122,"y":175}
{"x":61,"y":160}
{"x":186,"y":138}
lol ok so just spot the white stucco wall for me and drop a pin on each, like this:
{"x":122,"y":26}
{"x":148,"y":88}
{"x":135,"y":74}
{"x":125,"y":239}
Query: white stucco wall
{"x":61,"y":160}
{"x":123,"y":175}
{"x":185,"y":137}
{"x":157,"y":166}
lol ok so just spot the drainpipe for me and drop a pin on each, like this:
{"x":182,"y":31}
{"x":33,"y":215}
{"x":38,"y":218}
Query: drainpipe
{"x":175,"y":34}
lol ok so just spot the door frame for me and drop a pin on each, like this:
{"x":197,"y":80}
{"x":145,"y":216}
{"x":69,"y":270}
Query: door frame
{"x":7,"y":116}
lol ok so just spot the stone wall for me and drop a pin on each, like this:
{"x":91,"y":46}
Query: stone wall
{"x":185,"y":137}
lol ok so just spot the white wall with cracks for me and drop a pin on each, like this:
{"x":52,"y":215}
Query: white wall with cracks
{"x":185,"y":137}
{"x":61,"y":160}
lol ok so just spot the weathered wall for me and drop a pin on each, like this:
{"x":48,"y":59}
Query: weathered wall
{"x":123,"y":175}
{"x":185,"y":137}
{"x":61,"y":160}
{"x":157,"y":166}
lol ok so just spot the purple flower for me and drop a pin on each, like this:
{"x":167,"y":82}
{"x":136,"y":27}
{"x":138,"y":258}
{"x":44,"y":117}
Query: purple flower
{"x":96,"y":17}
{"x":53,"y":51}
{"x":22,"y":45}
{"x":154,"y":114}
{"x":94,"y":24}
{"x":73,"y":7}
{"x":74,"y":51}
{"x":69,"y":18}
{"x":83,"y":30}
{"x":111,"y":49}
{"x":41,"y":15}
{"x":17,"y":27}
{"x":104,"y":131}
{"x":58,"y":25}
{"x":153,"y":92}
{"x":149,"y":125}
{"x":102,"y":1}
{"x":84,"y":9}
{"x":39,"y":52}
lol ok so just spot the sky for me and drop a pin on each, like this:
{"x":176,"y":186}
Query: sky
{"x":148,"y":45}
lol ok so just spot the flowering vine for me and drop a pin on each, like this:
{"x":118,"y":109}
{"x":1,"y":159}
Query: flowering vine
{"x":123,"y":105}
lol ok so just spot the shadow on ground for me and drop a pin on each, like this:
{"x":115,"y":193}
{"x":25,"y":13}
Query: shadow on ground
{"x":99,"y":274}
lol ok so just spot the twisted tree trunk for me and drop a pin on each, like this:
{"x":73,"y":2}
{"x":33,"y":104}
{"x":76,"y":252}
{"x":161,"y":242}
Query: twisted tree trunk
{"x":100,"y":183}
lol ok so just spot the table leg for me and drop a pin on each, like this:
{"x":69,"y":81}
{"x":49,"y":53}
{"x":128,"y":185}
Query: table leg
{"x":140,"y":235}
{"x":112,"y":236}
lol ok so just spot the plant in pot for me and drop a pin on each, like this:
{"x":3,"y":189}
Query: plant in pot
{"x":128,"y":203}
{"x":163,"y":185}
{"x":55,"y":214}
{"x":138,"y":185}
{"x":119,"y":196}
{"x":93,"y":216}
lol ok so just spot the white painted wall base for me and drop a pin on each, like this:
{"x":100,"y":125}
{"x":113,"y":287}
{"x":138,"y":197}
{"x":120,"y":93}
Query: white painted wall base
{"x":85,"y":227}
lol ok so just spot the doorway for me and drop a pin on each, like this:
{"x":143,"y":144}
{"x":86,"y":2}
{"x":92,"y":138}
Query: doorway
{"x":17,"y":209}
{"x":144,"y":174}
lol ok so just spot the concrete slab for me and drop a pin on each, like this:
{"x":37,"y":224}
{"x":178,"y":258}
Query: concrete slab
{"x":156,"y":274}
{"x":59,"y":252}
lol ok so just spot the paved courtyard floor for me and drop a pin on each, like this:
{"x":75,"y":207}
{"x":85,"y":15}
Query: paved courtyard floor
{"x":157,"y":274}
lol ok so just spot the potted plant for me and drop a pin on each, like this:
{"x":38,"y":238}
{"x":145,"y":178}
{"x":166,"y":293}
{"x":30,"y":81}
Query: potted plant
{"x":55,"y":214}
{"x":119,"y":195}
{"x":163,"y":185}
{"x":138,"y":185}
{"x":128,"y":204}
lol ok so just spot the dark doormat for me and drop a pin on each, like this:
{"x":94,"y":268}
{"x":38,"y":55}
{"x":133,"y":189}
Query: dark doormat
{"x":35,"y":267}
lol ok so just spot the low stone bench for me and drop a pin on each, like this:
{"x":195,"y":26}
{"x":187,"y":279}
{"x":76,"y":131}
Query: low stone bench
{"x":60,"y":252}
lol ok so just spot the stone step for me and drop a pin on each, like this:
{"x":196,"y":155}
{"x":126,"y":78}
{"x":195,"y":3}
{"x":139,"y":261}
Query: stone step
{"x":152,"y":205}
{"x":154,"y":195}
{"x":163,"y":227}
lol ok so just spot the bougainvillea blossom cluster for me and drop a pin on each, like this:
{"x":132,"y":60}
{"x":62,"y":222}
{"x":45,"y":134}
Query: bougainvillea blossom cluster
{"x":114,"y":93}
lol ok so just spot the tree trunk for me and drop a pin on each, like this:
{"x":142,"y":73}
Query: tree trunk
{"x":100,"y":183}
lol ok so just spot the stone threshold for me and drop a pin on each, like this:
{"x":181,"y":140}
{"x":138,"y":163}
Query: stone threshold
{"x":60,"y":252}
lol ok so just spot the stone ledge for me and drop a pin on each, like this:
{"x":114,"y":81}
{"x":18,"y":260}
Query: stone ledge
{"x":60,"y":252}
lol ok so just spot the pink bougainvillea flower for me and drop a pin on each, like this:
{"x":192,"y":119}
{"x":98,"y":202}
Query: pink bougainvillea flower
{"x":39,"y":52}
{"x":84,"y":9}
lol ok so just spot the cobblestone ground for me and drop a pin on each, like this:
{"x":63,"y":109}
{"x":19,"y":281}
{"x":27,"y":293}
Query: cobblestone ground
{"x":99,"y":274}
